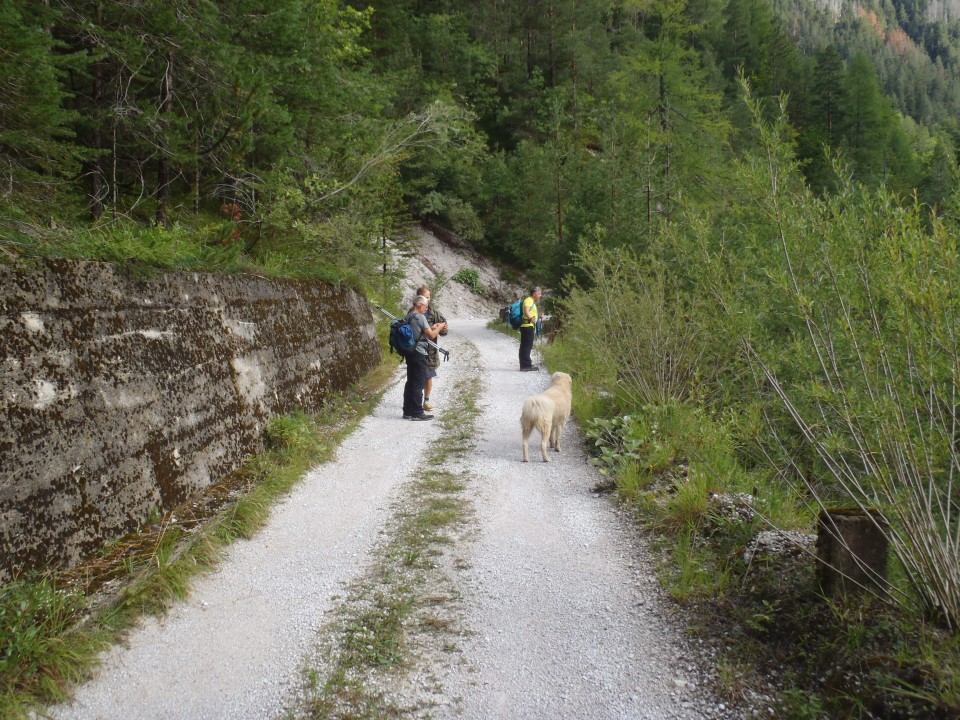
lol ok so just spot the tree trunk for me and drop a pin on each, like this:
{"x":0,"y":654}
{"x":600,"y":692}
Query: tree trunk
{"x":94,"y":169}
{"x":163,"y":164}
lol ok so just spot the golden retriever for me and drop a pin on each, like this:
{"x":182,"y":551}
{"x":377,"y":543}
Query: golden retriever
{"x":548,"y":413}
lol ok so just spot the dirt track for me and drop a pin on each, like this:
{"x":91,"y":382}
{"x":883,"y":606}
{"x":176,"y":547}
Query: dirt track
{"x":557,"y":610}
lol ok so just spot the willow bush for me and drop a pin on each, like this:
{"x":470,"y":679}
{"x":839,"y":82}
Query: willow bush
{"x":862,"y":355}
{"x":636,"y":331}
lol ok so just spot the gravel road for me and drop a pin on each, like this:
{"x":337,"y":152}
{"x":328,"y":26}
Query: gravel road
{"x":562,"y":616}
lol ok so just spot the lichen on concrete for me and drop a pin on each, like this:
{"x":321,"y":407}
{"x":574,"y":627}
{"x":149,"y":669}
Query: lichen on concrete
{"x":122,"y":396}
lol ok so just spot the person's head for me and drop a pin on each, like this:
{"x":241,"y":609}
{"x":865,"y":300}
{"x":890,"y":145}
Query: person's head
{"x":425,"y":292}
{"x":420,"y":303}
{"x":536,"y":292}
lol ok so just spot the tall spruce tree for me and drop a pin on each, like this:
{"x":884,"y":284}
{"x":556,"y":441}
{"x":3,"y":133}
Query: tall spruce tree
{"x":867,"y":119}
{"x":36,"y":148}
{"x":674,"y":122}
{"x":821,"y":125}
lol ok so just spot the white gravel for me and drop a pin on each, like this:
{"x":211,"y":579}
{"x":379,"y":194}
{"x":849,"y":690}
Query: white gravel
{"x":564,"y":614}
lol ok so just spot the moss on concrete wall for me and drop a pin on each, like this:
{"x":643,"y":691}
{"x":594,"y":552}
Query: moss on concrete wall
{"x":121,"y":396}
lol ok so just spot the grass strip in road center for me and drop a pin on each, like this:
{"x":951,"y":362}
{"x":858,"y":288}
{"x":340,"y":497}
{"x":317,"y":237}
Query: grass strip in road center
{"x":403,"y":615}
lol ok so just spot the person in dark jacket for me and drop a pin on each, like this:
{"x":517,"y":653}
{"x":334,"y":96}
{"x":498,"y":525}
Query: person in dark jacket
{"x":433,"y":356}
{"x":417,"y":360}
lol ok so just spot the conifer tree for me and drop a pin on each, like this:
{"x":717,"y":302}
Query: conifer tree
{"x":674,"y":120}
{"x":36,"y":151}
{"x":867,"y":120}
{"x":941,"y":178}
{"x":821,"y":125}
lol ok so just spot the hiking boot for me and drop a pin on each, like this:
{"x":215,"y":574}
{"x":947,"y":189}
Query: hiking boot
{"x":408,"y":417}
{"x":532,"y":368}
{"x":421,"y":417}
{"x":427,"y":405}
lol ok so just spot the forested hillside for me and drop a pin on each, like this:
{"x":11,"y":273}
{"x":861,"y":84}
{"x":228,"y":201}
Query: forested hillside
{"x":914,"y":46}
{"x":288,"y":133}
{"x":746,"y":213}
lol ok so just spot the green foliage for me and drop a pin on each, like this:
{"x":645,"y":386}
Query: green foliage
{"x":652,"y":437}
{"x":41,"y":656}
{"x":36,"y":148}
{"x":686,"y":509}
{"x":829,"y":325}
{"x":802,"y":705}
{"x":863,"y":339}
{"x":637,"y":328}
{"x":471,"y":278}
{"x":693,"y":573}
{"x":612,"y":442}
{"x":294,"y":431}
{"x":668,"y":460}
{"x":205,"y":247}
{"x":315,"y":126}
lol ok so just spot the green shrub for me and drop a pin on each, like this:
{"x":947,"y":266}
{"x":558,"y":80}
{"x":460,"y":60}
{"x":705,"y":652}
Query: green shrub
{"x":858,"y":363}
{"x":39,"y":655}
{"x":637,"y":327}
{"x":471,"y":278}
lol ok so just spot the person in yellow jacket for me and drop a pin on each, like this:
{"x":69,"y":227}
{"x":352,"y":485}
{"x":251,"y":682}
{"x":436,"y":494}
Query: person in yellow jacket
{"x":528,"y":328}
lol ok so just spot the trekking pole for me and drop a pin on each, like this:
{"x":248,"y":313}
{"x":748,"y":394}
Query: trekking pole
{"x":445,"y":353}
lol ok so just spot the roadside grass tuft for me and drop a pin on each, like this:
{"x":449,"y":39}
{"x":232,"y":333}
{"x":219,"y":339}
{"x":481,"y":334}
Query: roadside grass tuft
{"x":693,"y":572}
{"x":42,"y":655}
{"x":53,"y":627}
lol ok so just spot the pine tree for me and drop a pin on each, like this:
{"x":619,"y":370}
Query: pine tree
{"x":866,"y":121}
{"x":36,"y":151}
{"x":941,"y":178}
{"x":821,"y":125}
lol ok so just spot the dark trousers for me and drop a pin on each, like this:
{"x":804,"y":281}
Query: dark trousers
{"x":526,"y":345}
{"x":413,"y":388}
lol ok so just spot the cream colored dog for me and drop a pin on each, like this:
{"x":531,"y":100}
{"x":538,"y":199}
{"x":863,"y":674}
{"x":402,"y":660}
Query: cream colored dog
{"x":548,"y":413}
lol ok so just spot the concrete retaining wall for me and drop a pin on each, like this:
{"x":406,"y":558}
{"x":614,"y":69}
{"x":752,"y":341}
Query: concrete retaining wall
{"x":121,"y":396}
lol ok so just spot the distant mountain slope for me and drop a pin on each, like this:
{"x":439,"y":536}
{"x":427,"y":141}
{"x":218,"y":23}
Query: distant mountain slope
{"x":915,"y":45}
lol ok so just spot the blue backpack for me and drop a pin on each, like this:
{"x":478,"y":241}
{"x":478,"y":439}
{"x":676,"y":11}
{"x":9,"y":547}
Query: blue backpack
{"x":515,"y":314}
{"x":402,"y":340}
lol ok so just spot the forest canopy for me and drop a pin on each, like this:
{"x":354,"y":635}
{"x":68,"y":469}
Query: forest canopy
{"x":287,"y":134}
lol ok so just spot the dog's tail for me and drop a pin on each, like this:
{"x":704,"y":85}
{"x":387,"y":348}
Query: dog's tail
{"x":537,"y":413}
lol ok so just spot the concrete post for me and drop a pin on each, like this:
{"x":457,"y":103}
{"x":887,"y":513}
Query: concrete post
{"x":852,"y":548}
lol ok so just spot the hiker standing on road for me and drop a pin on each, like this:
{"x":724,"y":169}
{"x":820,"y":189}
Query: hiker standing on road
{"x":527,"y":328}
{"x":433,"y":356}
{"x":417,"y":360}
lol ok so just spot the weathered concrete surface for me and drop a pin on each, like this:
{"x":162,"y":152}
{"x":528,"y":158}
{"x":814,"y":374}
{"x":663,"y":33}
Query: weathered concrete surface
{"x":121,"y":396}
